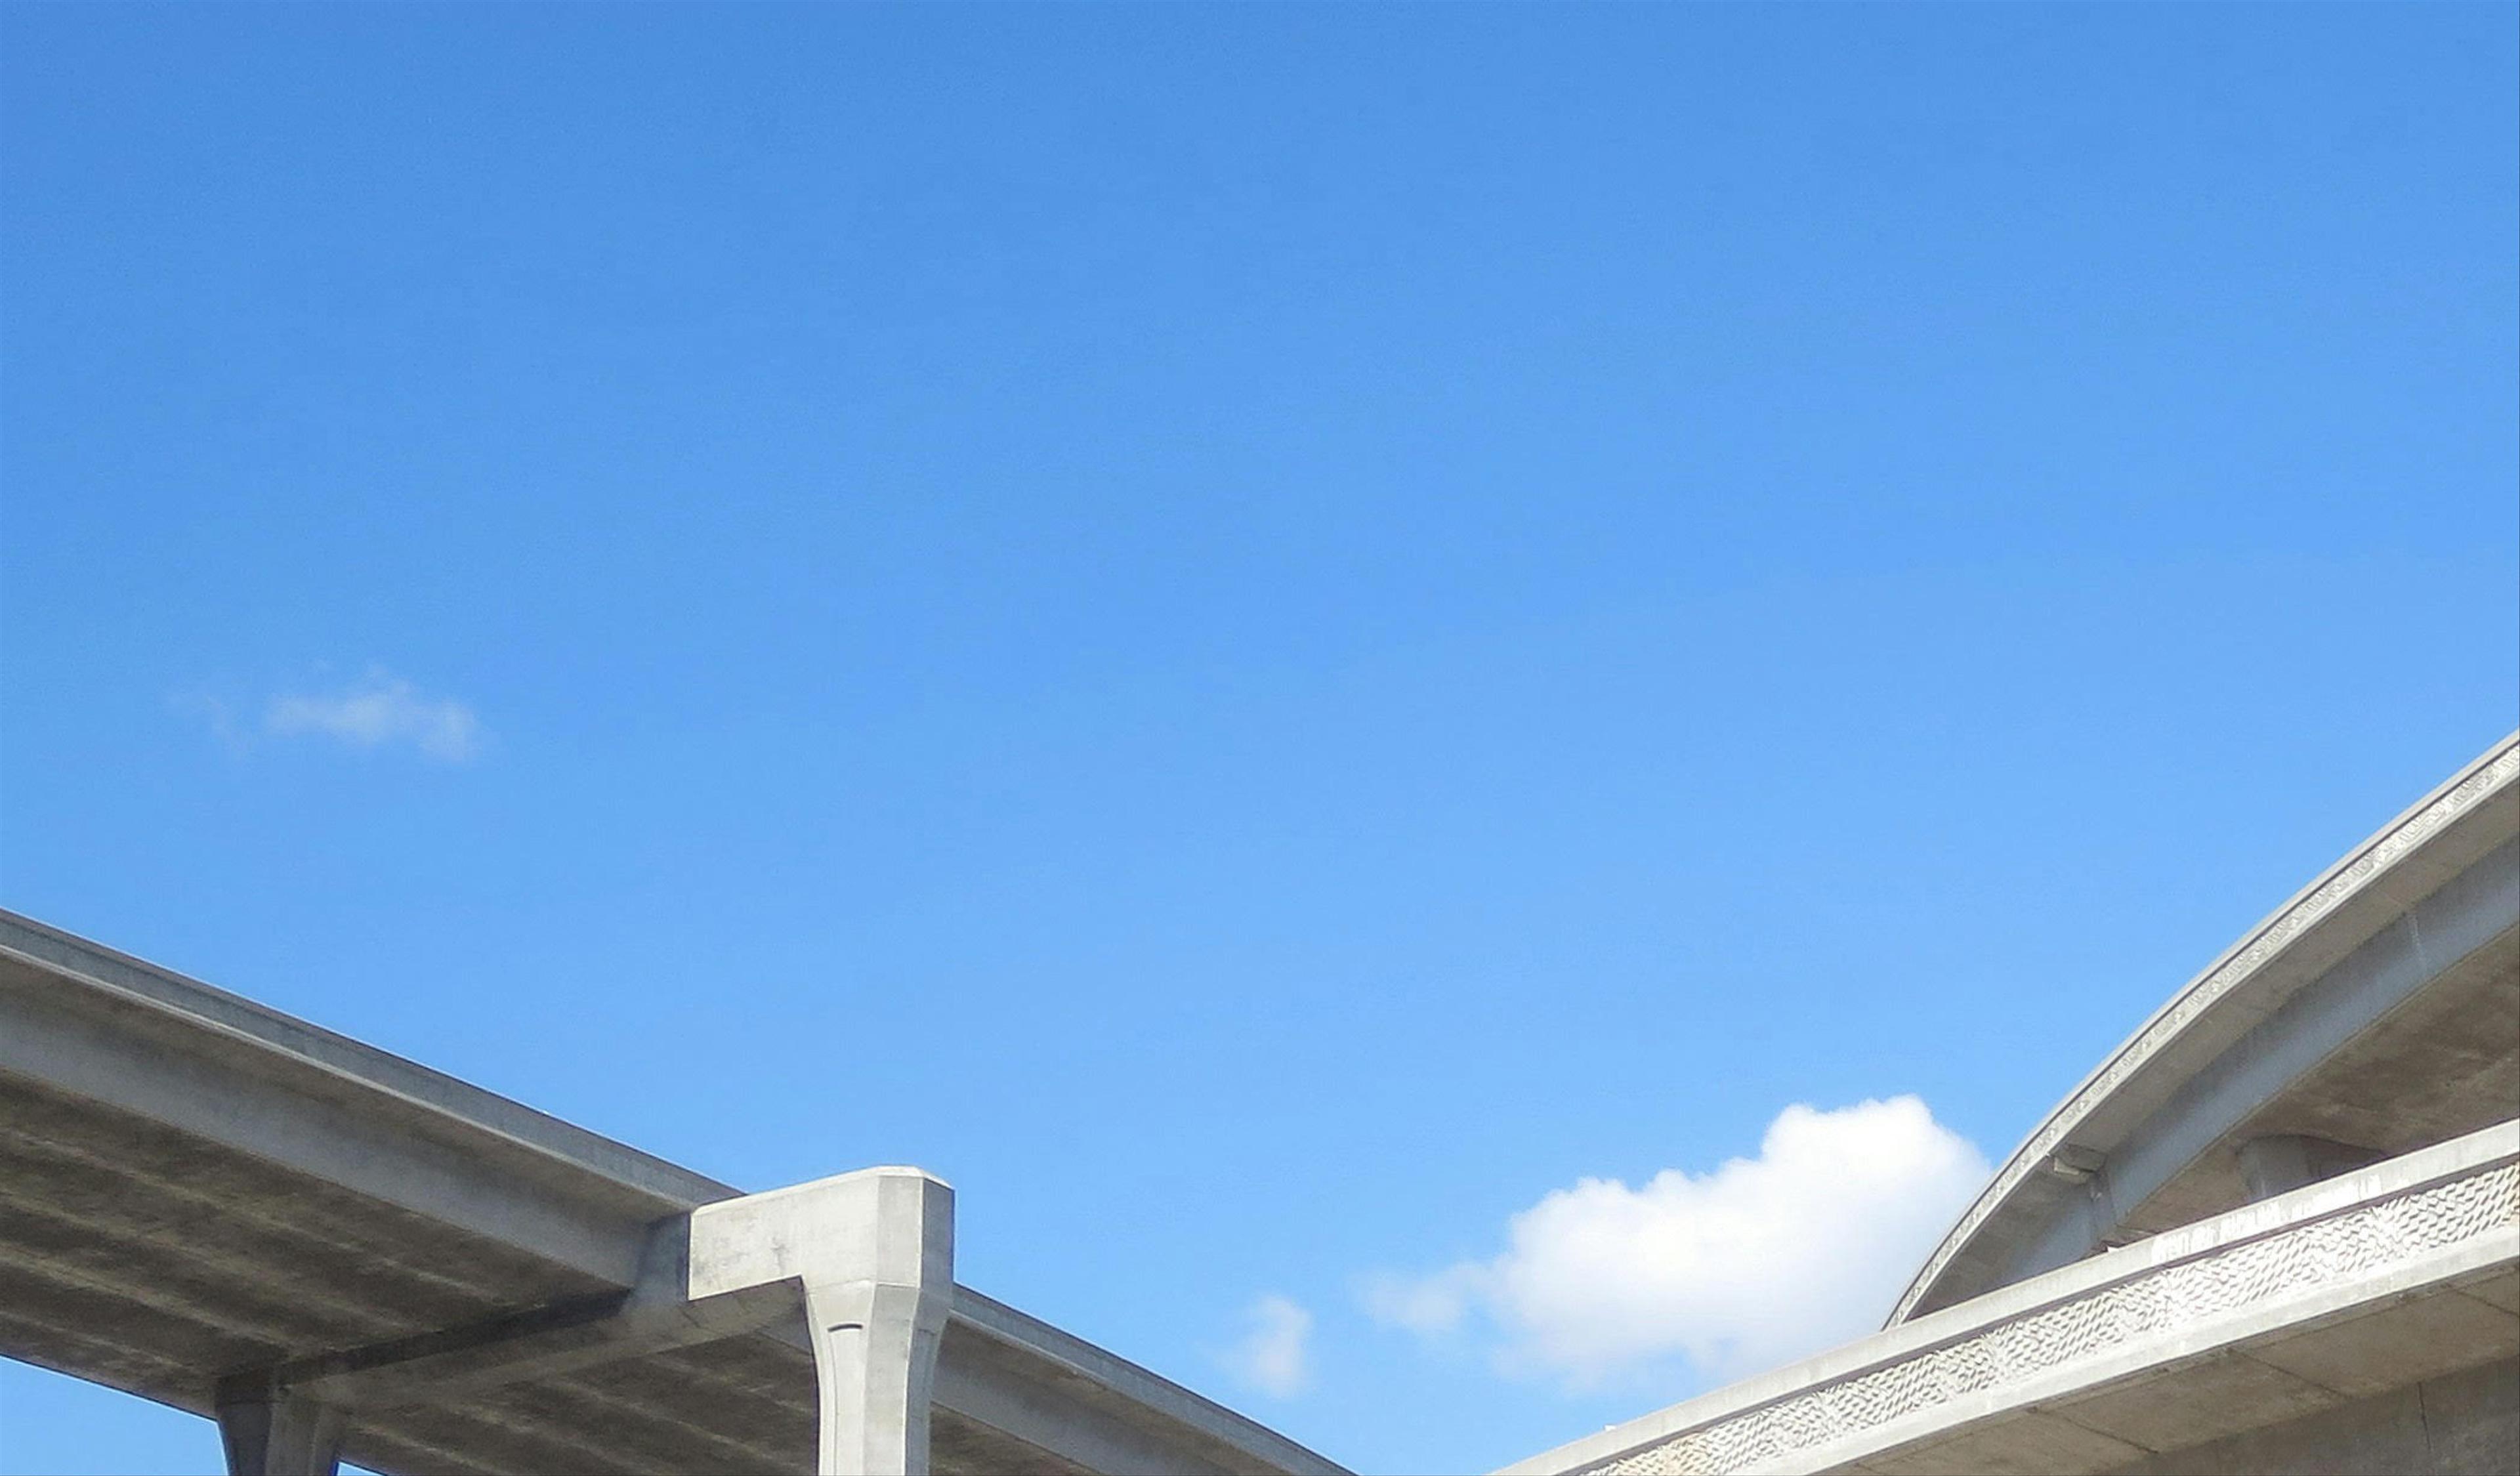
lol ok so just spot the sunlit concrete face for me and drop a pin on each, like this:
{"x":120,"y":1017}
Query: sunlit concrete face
{"x":2279,"y":1229}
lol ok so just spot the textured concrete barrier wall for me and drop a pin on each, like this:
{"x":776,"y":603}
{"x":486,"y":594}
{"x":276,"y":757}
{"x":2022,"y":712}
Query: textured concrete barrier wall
{"x":2322,"y":1295}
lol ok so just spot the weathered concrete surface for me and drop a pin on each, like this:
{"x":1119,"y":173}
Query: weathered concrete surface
{"x":2278,"y":1163}
{"x":200,"y":1195}
{"x":2384,"y":1277}
{"x":2379,"y":1007}
{"x":267,"y":1431}
{"x":2460,"y":1424}
{"x":873,"y":1255}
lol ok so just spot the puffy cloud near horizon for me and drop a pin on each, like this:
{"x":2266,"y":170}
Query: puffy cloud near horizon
{"x":1760,"y":1262}
{"x":1274,"y":1355}
{"x":378,"y":710}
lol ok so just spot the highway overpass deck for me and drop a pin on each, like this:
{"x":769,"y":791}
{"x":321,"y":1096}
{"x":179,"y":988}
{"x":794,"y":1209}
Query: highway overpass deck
{"x":334,"y":1250}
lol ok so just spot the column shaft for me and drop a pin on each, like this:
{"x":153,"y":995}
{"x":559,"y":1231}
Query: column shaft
{"x":874,"y":1365}
{"x":271,"y":1432}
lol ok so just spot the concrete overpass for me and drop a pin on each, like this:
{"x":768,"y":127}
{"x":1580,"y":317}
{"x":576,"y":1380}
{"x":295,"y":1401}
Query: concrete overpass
{"x":2279,"y":1229}
{"x":2374,"y":1012}
{"x":339,"y":1254}
{"x":2276,"y":1230}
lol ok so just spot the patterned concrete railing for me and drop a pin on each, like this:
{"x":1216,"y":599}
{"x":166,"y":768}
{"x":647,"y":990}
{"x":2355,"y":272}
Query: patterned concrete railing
{"x":2497,"y":770}
{"x":2463,"y":1195}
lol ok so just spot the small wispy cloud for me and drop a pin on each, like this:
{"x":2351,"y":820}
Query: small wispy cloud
{"x":379,"y":710}
{"x":220,"y":715}
{"x":1429,"y":1306}
{"x":1274,"y":1353}
{"x":1762,"y":1261}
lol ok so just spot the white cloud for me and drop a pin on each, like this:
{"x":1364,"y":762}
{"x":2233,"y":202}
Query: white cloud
{"x":1761,"y":1262}
{"x":1274,"y":1355}
{"x":378,"y":710}
{"x":1428,"y":1306}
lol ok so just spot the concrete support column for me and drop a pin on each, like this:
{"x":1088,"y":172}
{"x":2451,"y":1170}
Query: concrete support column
{"x":873,"y":1254}
{"x":2282,"y":1162}
{"x":274,"y":1432}
{"x":874,"y":1362}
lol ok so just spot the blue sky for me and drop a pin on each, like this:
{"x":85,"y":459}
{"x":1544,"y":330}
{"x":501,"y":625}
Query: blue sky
{"x":1321,"y":623}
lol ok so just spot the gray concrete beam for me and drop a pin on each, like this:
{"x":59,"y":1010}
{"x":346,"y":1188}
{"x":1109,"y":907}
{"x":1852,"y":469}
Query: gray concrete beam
{"x":1060,"y":1393}
{"x":233,"y":1101}
{"x":996,"y":1386}
{"x":866,"y":1257}
{"x":277,"y":1432}
{"x":538,"y":1343}
{"x":2280,"y":1162}
{"x":294,"y":1051}
{"x":2432,"y":937}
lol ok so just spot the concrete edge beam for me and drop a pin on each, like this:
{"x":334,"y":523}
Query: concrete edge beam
{"x":2466,"y":816}
{"x":2475,"y":909}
